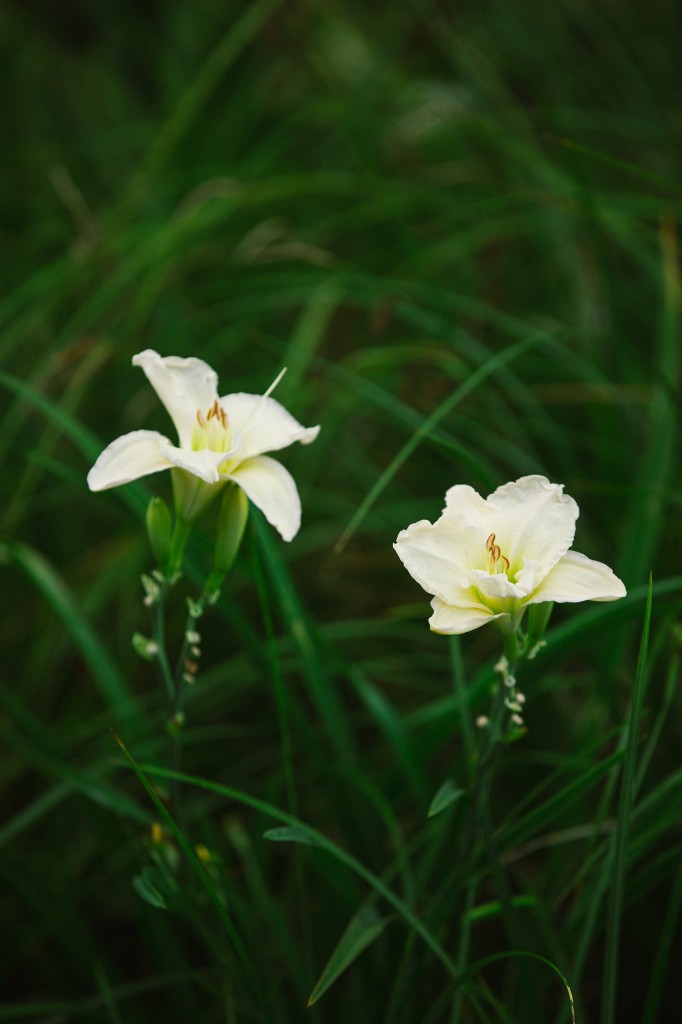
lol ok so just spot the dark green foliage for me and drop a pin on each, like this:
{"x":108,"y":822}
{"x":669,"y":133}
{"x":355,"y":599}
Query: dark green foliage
{"x":457,"y":225}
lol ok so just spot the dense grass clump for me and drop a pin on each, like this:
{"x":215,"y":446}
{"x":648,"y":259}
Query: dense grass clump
{"x":458,"y":229}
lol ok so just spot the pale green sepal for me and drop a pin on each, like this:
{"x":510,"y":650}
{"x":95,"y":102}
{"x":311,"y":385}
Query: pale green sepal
{"x":191,"y":494}
{"x":159,"y":527}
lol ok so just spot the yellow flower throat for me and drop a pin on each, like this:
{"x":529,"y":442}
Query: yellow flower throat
{"x":212,"y":431}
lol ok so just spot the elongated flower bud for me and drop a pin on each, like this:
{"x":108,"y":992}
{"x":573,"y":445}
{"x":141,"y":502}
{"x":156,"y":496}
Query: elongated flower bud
{"x":234,"y":512}
{"x":537,"y":622}
{"x":159,"y":530}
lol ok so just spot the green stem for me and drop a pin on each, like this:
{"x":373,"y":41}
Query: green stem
{"x":170,"y":682}
{"x":175,"y":682}
{"x":180,"y":682}
{"x":159,"y":637}
{"x":181,"y":532}
{"x":482,"y":786}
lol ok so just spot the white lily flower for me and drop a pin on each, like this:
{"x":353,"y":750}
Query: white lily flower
{"x":488,"y":559}
{"x":220,"y":440}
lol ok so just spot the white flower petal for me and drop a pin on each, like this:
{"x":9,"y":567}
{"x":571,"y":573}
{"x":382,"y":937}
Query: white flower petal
{"x":496,"y":585}
{"x":448,"y":618}
{"x":204,"y":464}
{"x":128,"y":458}
{"x":576,"y":577}
{"x":272,"y":489}
{"x":263,"y":425}
{"x":535,"y":520}
{"x":469,"y":504}
{"x":529,"y":577}
{"x":439,"y":555}
{"x":183,"y":385}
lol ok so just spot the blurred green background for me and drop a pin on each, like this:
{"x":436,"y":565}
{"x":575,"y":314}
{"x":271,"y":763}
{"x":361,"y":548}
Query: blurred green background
{"x":457,"y":225}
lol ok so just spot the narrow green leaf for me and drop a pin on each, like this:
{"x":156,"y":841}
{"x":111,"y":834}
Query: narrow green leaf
{"x":665,"y":954}
{"x":620,"y":838}
{"x":539,"y":817}
{"x":393,"y":727}
{"x":488,"y":368}
{"x":494,"y":907}
{"x":363,"y":929}
{"x":447,"y":794}
{"x":188,"y":110}
{"x":626,"y":166}
{"x":203,"y":876}
{"x":308,"y":333}
{"x":289,"y":834}
{"x":134,"y":495}
{"x":87,"y":442}
{"x":479,"y":965}
{"x":317,"y":838}
{"x":55,"y":591}
{"x":322,"y":688}
{"x":35,"y":811}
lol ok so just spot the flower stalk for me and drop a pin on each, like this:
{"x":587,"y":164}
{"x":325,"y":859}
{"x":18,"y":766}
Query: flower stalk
{"x":495,"y":728}
{"x":176,"y":680}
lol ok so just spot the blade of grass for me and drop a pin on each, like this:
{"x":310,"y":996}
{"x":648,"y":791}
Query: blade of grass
{"x":479,"y":965}
{"x":321,"y":686}
{"x":488,"y":368}
{"x":627,"y":797}
{"x":363,"y":929}
{"x":393,"y":728}
{"x":197,"y":95}
{"x":308,"y":333}
{"x":626,"y":166}
{"x":35,"y":811}
{"x":201,"y":873}
{"x":541,"y":816}
{"x":85,"y":440}
{"x":110,"y":681}
{"x":662,"y":959}
{"x":317,"y":839}
{"x":657,"y":463}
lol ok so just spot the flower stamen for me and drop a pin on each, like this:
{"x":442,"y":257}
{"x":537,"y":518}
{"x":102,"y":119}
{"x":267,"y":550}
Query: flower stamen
{"x":213,"y":432}
{"x":497,"y":562}
{"x":217,"y":411}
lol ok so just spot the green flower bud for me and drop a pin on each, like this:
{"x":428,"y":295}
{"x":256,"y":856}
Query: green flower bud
{"x":159,"y":529}
{"x":537,"y":622}
{"x":234,"y":512}
{"x":176,"y":724}
{"x":146,"y":648}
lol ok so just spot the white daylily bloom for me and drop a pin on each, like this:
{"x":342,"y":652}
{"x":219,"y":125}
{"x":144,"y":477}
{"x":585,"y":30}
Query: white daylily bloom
{"x":487,"y":559}
{"x":220,"y":439}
